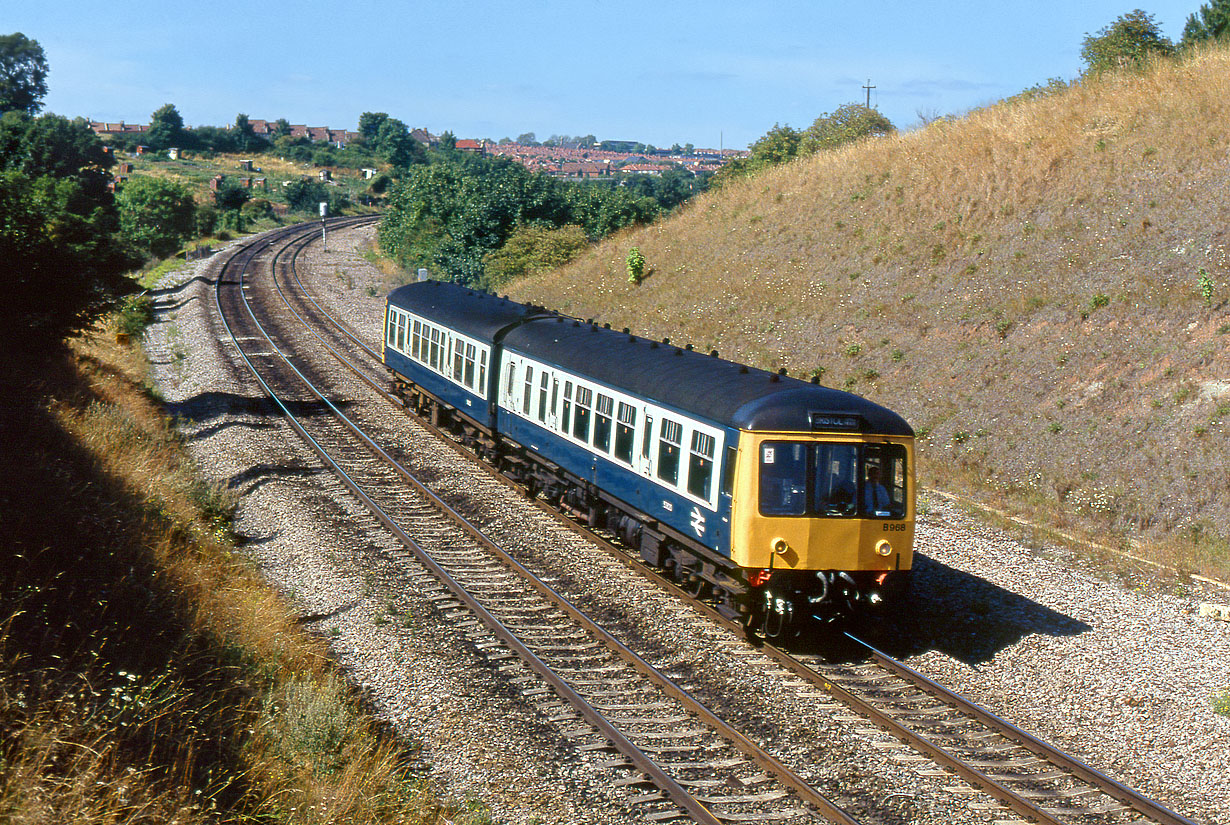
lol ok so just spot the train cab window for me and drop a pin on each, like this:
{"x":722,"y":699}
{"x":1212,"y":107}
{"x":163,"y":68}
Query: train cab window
{"x":527,"y":392}
{"x":884,"y":479}
{"x":542,"y":396}
{"x":565,"y":418}
{"x":783,"y":478}
{"x":670,"y":443}
{"x":581,"y":415}
{"x":469,"y":377}
{"x":603,"y":412}
{"x":459,"y":359}
{"x":836,"y":482}
{"x":625,"y":433}
{"x":700,"y":465}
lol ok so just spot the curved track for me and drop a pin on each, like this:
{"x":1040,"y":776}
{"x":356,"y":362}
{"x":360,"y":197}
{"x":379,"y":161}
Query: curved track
{"x":696,"y":763}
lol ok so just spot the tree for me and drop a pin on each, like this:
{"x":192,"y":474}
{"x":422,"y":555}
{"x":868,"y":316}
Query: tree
{"x":166,"y":128}
{"x":156,"y":215}
{"x":846,"y":124}
{"x":64,"y":263}
{"x":231,"y":195}
{"x":245,"y":135}
{"x":370,"y":123}
{"x":23,"y":74}
{"x":532,"y":249}
{"x":1128,"y":43}
{"x":281,"y":128}
{"x":527,"y":139}
{"x":394,"y":143}
{"x":1210,"y":22}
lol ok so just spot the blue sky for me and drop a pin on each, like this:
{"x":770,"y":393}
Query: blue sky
{"x":662,"y":73}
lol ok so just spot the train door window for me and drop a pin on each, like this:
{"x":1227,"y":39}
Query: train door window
{"x":581,"y":415}
{"x":510,"y":382}
{"x":469,"y":379}
{"x":542,"y":396}
{"x":565,"y":418}
{"x":836,"y":474}
{"x":392,"y":327}
{"x":435,"y":349}
{"x":459,"y":359}
{"x":528,"y":391}
{"x":554,"y":394}
{"x":482,"y":371}
{"x":647,"y":440}
{"x":670,"y":443}
{"x":700,"y":464}
{"x":416,"y":340}
{"x":625,"y":432}
{"x":728,"y":471}
{"x":884,"y":480}
{"x":783,"y":478}
{"x":604,"y":410}
{"x":401,"y":332}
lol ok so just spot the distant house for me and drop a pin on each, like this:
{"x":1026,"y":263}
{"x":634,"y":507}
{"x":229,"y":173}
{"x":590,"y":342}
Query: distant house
{"x":477,"y":147}
{"x":102,"y":128}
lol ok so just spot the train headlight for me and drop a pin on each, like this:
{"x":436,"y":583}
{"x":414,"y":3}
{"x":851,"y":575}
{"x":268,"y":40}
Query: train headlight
{"x":884,"y":548}
{"x":781,"y":547}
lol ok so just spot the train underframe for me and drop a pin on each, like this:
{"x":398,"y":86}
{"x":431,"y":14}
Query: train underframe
{"x":777,"y":604}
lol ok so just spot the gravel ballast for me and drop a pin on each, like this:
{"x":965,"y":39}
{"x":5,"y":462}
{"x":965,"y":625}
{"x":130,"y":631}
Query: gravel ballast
{"x":1122,"y":674}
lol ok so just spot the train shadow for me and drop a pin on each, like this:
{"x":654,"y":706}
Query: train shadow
{"x":948,"y":611}
{"x":211,"y":406}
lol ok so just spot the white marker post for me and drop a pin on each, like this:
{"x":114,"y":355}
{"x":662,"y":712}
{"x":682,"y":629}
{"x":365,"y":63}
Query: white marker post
{"x":324,"y":236}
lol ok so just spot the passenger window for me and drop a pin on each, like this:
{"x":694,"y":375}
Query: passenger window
{"x":700,"y":465}
{"x":470,"y":366}
{"x":580,"y":418}
{"x":565,"y":419}
{"x":528,"y":391}
{"x":602,"y":422}
{"x":625,"y":433}
{"x":417,"y":340}
{"x":401,"y":332}
{"x":459,"y":359}
{"x":435,"y":349}
{"x":392,"y":329}
{"x":542,"y":397}
{"x":669,"y":444}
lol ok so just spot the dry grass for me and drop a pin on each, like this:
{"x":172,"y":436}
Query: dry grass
{"x":1024,"y":284}
{"x":148,"y":675}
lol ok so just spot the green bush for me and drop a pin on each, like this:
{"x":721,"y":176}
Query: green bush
{"x":135,"y":314}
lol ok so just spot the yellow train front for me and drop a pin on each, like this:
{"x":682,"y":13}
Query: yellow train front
{"x":822,"y":523}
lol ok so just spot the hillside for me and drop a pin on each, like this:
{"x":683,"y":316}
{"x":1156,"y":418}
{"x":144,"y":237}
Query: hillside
{"x":1039,"y":287}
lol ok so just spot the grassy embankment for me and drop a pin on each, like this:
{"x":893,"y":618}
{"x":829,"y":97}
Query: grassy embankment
{"x":147,"y":674}
{"x":1040,"y":288}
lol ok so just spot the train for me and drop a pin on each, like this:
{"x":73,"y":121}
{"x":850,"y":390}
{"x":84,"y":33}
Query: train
{"x":782,"y":502}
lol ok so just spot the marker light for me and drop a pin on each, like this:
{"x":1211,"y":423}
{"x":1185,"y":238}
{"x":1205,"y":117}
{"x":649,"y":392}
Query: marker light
{"x":884,"y":548}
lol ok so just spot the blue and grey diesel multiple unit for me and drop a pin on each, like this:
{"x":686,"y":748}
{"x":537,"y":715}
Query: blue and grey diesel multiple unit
{"x":780,"y":500}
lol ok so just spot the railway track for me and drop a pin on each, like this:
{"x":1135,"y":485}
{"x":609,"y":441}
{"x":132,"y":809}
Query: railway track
{"x":1022,"y":774}
{"x":690,"y":761}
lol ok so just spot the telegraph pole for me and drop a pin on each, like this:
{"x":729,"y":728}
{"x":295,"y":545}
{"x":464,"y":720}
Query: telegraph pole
{"x":869,"y":87}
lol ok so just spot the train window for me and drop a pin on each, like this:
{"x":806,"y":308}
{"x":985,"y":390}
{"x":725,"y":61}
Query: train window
{"x":416,"y":340}
{"x":470,"y":366}
{"x":625,"y":432}
{"x":670,"y":443}
{"x":700,"y":465}
{"x":884,"y":480}
{"x":542,"y":396}
{"x":554,"y":394}
{"x":728,"y":471}
{"x":528,"y":391}
{"x":401,"y":332}
{"x":581,"y":415}
{"x":435,"y":349}
{"x":783,"y":478}
{"x":836,"y":474}
{"x":565,"y":418}
{"x":510,"y":382}
{"x":603,"y":411}
{"x":392,"y":336}
{"x":482,"y":371}
{"x":459,"y":359}
{"x":647,"y":441}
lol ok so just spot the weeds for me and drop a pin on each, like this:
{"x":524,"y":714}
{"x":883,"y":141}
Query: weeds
{"x":1221,"y":702}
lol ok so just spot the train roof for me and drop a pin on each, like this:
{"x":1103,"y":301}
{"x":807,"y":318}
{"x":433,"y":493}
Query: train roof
{"x":721,"y":391}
